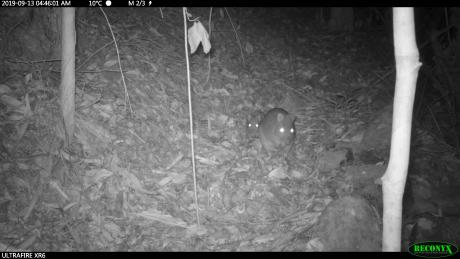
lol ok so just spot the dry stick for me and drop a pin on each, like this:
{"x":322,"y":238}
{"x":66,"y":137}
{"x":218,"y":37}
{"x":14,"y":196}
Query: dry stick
{"x":451,"y":85}
{"x":446,"y":16}
{"x":236,"y":35}
{"x":55,"y":60}
{"x":184,"y":11}
{"x":127,"y":101}
{"x":209,"y":56}
{"x":32,"y":62}
{"x":435,"y":121}
{"x":94,"y":53}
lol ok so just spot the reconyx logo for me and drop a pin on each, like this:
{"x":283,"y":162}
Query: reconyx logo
{"x":432,"y":249}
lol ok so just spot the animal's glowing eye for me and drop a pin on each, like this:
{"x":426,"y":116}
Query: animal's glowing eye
{"x":249,"y":125}
{"x":257,"y":125}
{"x":292,"y":130}
{"x":282,"y":130}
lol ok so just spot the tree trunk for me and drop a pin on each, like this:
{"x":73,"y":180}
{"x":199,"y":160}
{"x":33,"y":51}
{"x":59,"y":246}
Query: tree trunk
{"x":67,"y":88}
{"x":394,"y":179}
